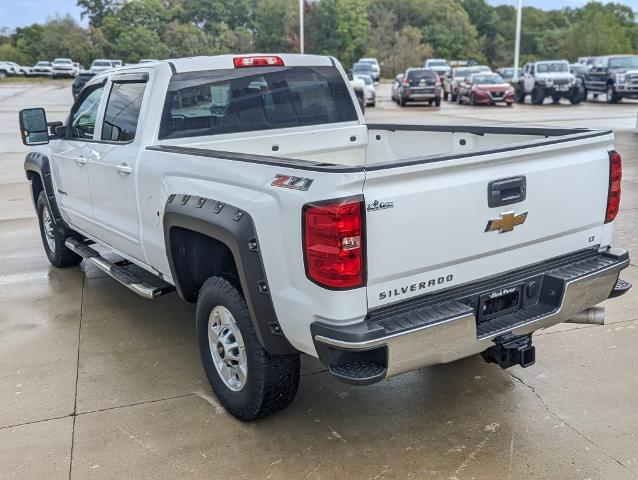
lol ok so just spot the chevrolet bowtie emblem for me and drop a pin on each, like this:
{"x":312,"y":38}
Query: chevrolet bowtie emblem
{"x":506,"y":223}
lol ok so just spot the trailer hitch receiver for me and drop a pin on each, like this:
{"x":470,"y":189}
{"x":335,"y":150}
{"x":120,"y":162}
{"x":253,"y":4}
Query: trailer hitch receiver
{"x":510,"y":351}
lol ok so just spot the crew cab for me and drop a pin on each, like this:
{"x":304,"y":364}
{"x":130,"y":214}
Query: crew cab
{"x":615,"y":75}
{"x":252,"y":186}
{"x":548,"y":78}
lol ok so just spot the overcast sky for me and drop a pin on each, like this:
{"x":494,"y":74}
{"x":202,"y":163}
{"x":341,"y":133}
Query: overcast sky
{"x":17,"y":13}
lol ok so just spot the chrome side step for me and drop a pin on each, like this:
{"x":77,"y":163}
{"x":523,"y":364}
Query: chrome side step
{"x":120,"y":273}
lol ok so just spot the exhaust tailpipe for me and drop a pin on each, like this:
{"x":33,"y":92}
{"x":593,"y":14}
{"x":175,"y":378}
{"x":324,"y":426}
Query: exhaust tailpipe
{"x":591,"y":316}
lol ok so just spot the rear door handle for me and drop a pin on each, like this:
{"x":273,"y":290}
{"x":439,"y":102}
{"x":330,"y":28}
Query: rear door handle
{"x":124,"y":169}
{"x":506,"y":191}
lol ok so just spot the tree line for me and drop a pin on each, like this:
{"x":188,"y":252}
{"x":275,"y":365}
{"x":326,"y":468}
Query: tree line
{"x":399,"y":33}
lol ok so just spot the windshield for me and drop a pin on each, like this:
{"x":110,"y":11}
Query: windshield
{"x":461,"y":72}
{"x":552,"y":67}
{"x":253,"y":99}
{"x":623,"y":62}
{"x":492,"y":79}
{"x":102,"y":63}
{"x":367,"y":79}
{"x":42,"y":64}
{"x":62,"y":60}
{"x":507,"y":72}
{"x":362,"y":66}
{"x":437,"y":63}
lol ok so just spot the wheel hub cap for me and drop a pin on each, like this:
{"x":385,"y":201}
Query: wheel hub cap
{"x":227,"y":348}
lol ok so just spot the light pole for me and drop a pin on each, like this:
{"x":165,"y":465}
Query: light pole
{"x":301,"y":40}
{"x":517,"y":41}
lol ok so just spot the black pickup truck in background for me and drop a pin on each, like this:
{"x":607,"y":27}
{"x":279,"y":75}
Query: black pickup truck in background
{"x":616,"y":76}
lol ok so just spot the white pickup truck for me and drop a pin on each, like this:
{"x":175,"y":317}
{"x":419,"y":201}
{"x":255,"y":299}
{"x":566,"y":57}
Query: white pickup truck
{"x":253,"y":186}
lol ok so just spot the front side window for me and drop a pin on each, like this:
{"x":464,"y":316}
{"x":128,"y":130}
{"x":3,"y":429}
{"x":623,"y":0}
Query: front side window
{"x":250,"y":99}
{"x":84,"y":115}
{"x":123,"y":111}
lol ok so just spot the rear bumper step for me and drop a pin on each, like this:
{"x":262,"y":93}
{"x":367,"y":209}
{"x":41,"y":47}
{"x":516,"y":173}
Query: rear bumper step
{"x":450,"y":325}
{"x":119,"y":272}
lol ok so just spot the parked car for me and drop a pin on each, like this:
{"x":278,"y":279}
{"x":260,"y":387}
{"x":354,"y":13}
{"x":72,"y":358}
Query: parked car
{"x":395,"y":89}
{"x":43,"y":68}
{"x":326,"y":258}
{"x":580,"y":71}
{"x":101,"y":65}
{"x":616,"y":76}
{"x":439,"y":65}
{"x":358,"y":87}
{"x":363,"y":69}
{"x":510,"y":74}
{"x":80,"y":81}
{"x":63,"y":67}
{"x":117,"y":63}
{"x":7,"y":70}
{"x":369,"y":92}
{"x":17,"y":69}
{"x":77,"y":68}
{"x":420,"y":85}
{"x":376,"y":67}
{"x":455,"y":76}
{"x":550,"y":78}
{"x":485,"y":89}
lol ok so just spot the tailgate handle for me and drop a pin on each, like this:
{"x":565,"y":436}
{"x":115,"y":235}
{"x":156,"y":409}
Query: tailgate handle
{"x":506,"y":191}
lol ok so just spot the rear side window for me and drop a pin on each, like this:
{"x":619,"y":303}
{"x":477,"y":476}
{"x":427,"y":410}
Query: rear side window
{"x":123,"y":111}
{"x":251,"y":99}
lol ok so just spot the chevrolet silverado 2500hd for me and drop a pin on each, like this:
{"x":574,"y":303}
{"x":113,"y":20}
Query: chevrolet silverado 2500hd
{"x":252,"y":186}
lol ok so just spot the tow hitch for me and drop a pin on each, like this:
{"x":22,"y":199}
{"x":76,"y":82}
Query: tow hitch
{"x":510,"y":351}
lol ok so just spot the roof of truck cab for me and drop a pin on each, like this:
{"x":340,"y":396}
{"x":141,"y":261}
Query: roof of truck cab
{"x":195,"y":64}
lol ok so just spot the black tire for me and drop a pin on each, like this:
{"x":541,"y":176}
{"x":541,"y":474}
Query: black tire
{"x":271,"y":380}
{"x":445,"y":96}
{"x":437,"y":102}
{"x":402,"y":102}
{"x":57,"y":253}
{"x":453,"y":97}
{"x":459,"y":99}
{"x":612,"y":95}
{"x":538,"y":96}
{"x":472,"y":101}
{"x":520,"y":93}
{"x":556,"y":99}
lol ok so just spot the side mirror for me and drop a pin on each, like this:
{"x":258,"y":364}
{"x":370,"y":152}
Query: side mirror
{"x":33,"y":126}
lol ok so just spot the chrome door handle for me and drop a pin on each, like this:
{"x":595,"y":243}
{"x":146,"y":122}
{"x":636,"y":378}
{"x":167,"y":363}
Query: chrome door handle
{"x":80,"y":160}
{"x":124,"y":169}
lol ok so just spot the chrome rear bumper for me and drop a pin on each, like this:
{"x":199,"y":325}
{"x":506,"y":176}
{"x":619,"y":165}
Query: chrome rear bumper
{"x":443,"y":327}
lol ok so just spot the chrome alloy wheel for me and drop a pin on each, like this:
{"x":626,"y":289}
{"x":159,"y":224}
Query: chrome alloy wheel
{"x":47,"y":223}
{"x":227,"y":348}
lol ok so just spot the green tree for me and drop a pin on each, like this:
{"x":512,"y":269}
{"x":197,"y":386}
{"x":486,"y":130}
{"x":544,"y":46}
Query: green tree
{"x":185,"y":39}
{"x":137,"y":43}
{"x":96,"y":10}
{"x":341,"y":28}
{"x":449,"y":30}
{"x":272,"y":21}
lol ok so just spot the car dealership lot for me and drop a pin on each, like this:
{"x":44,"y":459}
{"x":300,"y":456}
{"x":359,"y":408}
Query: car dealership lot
{"x":96,"y":382}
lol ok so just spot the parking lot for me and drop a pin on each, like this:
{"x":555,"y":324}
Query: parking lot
{"x":96,"y":382}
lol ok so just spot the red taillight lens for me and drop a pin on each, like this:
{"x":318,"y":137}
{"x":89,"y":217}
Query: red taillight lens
{"x":334,"y":243}
{"x":406,"y":83}
{"x":613,"y":196}
{"x":259,"y":61}
{"x":438,"y":81}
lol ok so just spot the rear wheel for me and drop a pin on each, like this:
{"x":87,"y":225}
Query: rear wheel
{"x":248,"y":381}
{"x":612,"y":95}
{"x":538,"y":96}
{"x":555,"y":99}
{"x":53,"y":236}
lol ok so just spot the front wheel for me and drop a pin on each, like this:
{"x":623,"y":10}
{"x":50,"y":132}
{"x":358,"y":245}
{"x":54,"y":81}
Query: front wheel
{"x":612,"y":95}
{"x":54,"y":235}
{"x":249,"y":382}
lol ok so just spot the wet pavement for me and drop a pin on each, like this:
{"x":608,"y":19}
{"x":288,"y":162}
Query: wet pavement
{"x":96,"y":382}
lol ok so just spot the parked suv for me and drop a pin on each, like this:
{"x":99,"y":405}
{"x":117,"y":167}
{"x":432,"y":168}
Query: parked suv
{"x":550,"y":78}
{"x":101,"y":65}
{"x":376,"y":67}
{"x":615,"y":75}
{"x":420,"y":85}
{"x":439,"y":65}
{"x":63,"y":67}
{"x":42,"y":68}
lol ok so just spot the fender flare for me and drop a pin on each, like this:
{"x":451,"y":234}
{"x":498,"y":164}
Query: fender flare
{"x":38,"y":164}
{"x":234,"y":228}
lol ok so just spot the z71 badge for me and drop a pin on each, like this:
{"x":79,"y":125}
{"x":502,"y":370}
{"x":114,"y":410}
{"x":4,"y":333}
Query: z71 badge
{"x":377,"y":205}
{"x":291,"y":182}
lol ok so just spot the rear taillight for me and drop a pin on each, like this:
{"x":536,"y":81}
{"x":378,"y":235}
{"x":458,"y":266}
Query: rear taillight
{"x":334,"y":243}
{"x":613,"y":196}
{"x":258,"y":61}
{"x":406,"y":83}
{"x":438,"y":81}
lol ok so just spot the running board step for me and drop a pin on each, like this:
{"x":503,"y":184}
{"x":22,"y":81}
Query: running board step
{"x":120,"y":273}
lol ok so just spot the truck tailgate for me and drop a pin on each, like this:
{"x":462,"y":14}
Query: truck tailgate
{"x":428,"y":223}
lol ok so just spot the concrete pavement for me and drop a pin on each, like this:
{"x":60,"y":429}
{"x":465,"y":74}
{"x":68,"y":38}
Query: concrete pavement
{"x":96,"y":382}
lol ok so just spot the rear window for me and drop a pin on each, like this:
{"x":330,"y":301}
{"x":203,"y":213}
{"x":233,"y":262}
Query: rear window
{"x":419,"y":74}
{"x":250,"y":99}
